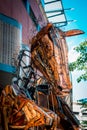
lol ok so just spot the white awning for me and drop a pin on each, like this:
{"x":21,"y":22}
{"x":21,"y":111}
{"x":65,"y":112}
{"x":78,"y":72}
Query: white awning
{"x":55,"y":12}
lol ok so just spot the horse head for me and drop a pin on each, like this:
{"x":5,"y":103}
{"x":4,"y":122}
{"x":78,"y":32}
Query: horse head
{"x":49,"y":55}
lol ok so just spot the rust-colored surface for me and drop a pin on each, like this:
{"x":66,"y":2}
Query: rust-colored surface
{"x":73,"y":32}
{"x":43,"y":57}
{"x":49,"y":54}
{"x":51,"y":59}
{"x":21,"y":112}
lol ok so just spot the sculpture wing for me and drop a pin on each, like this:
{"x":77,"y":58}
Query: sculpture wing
{"x":73,"y":32}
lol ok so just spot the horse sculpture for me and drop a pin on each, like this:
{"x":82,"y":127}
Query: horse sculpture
{"x":47,"y":53}
{"x":40,"y":104}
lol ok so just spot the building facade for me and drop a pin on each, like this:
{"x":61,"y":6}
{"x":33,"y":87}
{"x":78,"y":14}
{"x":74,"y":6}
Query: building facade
{"x":80,"y":114}
{"x":19,"y":22}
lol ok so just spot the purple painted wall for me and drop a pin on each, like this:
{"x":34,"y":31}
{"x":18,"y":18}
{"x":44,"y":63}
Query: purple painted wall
{"x":16,"y":9}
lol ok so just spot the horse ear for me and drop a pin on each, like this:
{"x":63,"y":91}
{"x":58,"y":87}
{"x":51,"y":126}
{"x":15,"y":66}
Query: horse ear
{"x":73,"y":32}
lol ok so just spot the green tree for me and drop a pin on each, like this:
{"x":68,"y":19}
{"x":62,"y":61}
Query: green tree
{"x":81,"y":63}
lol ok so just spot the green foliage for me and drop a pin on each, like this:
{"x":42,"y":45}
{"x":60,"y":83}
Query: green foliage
{"x":81,"y":62}
{"x":84,"y":123}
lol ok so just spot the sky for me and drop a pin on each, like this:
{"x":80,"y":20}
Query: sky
{"x":80,"y":15}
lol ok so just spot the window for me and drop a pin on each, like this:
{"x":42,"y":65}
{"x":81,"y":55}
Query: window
{"x":31,"y":14}
{"x":10,"y":41}
{"x":26,"y":4}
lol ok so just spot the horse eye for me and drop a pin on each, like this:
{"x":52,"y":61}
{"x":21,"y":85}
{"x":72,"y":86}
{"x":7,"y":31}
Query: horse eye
{"x":47,"y":46}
